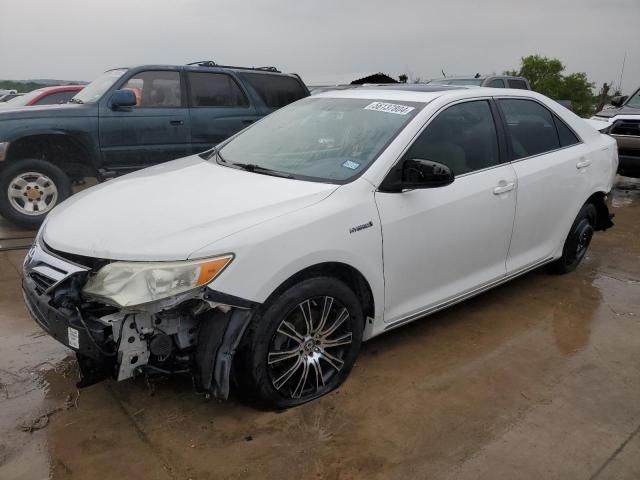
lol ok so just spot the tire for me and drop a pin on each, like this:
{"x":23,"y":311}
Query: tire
{"x":282,"y":367}
{"x":577,"y":242}
{"x":29,"y":189}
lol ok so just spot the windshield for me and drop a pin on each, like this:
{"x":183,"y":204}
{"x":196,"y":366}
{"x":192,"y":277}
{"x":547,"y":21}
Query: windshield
{"x":634,"y":101}
{"x":96,"y":89}
{"x":324,"y":139}
{"x":22,"y":100}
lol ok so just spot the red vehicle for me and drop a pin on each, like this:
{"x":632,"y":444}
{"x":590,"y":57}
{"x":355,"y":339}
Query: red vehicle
{"x":45,"y":96}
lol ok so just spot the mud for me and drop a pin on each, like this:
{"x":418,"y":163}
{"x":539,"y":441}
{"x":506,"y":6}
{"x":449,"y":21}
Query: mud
{"x":536,"y":379}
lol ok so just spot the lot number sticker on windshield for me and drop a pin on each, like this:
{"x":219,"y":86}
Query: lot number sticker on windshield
{"x":73,"y":337}
{"x":389,"y":108}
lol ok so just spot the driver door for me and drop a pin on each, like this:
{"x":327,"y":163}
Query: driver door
{"x":155,"y":130}
{"x":441,"y":243}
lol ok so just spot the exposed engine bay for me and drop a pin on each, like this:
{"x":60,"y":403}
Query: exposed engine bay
{"x":196,"y":333}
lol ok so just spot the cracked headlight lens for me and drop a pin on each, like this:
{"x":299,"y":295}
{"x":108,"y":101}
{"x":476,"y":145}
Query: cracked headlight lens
{"x":128,"y":284}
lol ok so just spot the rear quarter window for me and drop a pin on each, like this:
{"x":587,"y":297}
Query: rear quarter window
{"x":276,"y":91}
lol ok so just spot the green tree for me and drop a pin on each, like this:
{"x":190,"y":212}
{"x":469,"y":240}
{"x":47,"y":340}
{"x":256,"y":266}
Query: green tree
{"x":546,"y":76}
{"x":403,"y":78}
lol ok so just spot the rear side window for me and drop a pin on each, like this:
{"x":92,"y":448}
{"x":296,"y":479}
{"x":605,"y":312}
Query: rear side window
{"x":56,"y":98}
{"x":463,"y":137}
{"x":496,"y":83}
{"x":530,"y":127}
{"x":567,"y":137}
{"x":519,"y":84}
{"x":276,"y":91}
{"x":215,"y":90}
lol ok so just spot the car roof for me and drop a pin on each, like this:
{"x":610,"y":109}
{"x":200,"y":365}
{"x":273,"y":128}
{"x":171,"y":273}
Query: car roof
{"x":420,"y":93}
{"x":61,"y":88}
{"x":209,"y":68}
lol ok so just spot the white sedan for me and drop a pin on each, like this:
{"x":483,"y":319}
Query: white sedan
{"x":331,"y":221}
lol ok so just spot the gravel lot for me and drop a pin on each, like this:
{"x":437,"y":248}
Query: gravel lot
{"x":539,"y":378}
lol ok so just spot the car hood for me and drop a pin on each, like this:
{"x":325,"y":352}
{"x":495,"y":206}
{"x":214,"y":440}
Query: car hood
{"x":45,"y":111}
{"x":169,"y":211}
{"x":612,"y":112}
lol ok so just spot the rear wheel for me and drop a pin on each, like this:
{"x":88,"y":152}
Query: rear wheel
{"x":578,"y":240}
{"x":304,"y":344}
{"x":30,"y":189}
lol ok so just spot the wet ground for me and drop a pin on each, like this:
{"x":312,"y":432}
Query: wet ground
{"x":539,"y":378}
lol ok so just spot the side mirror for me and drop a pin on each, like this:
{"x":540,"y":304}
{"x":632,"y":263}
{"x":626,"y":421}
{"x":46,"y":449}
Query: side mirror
{"x":123,"y":98}
{"x":417,"y":173}
{"x":618,"y":100}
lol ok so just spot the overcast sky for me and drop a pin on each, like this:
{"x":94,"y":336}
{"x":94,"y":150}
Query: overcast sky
{"x":78,"y":39}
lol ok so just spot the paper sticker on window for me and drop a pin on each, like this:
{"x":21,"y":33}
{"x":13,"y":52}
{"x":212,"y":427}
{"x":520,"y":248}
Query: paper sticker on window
{"x":389,"y":108}
{"x":73,"y":337}
{"x":350,"y":165}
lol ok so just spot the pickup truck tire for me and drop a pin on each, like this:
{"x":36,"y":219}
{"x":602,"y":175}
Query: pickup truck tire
{"x":303,"y":343}
{"x":578,"y":240}
{"x":29,"y":189}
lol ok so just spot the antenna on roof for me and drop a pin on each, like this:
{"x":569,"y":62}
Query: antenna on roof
{"x":624,"y":60}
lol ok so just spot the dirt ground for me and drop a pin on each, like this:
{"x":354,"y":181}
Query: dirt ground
{"x":539,"y":378}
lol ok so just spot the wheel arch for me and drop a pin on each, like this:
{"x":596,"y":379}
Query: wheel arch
{"x":344,"y":272}
{"x":66,"y":151}
{"x":603,"y":217}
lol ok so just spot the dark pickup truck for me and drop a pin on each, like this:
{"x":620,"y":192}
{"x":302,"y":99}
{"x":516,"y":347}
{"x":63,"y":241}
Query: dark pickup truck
{"x":127,"y":119}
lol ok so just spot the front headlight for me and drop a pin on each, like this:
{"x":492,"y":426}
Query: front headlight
{"x":128,"y":284}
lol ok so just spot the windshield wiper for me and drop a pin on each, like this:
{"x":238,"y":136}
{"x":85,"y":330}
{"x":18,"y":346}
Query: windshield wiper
{"x":251,"y":167}
{"x":76,"y":100}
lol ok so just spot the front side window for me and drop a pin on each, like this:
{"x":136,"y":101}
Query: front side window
{"x":215,"y":90}
{"x":323,"y":139}
{"x":530,"y":127}
{"x":463,"y":137}
{"x":96,"y":89}
{"x":276,"y":91}
{"x":56,"y":98}
{"x":155,"y":88}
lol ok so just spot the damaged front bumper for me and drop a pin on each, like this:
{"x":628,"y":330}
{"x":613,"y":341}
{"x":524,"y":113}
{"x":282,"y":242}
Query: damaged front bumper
{"x":198,"y":336}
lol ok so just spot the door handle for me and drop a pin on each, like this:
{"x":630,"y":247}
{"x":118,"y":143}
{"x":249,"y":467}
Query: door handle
{"x":247,"y":121}
{"x":507,"y":187}
{"x":176,"y":122}
{"x":583,"y":163}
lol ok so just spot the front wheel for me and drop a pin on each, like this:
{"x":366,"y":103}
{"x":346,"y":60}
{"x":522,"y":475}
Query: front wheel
{"x":29,"y":189}
{"x":578,"y":240}
{"x":304,"y":343}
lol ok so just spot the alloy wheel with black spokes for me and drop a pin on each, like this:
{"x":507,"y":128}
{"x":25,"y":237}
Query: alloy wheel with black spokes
{"x":305,"y":342}
{"x":309,"y":347}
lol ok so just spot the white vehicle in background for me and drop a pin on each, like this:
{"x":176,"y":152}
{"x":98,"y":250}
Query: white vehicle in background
{"x":331,"y":221}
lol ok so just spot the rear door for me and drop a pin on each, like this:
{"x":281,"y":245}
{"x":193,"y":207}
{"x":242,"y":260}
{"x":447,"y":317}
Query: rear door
{"x":155,"y":130}
{"x":553,"y":168}
{"x":218,"y":107}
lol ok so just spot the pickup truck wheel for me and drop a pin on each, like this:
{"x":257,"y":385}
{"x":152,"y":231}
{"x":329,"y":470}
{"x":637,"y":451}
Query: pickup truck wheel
{"x":577,"y":242}
{"x":29,"y":189}
{"x":304,"y":343}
